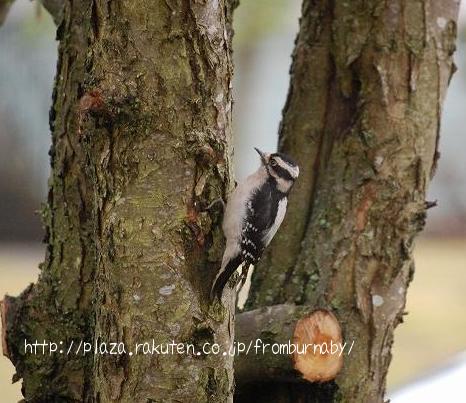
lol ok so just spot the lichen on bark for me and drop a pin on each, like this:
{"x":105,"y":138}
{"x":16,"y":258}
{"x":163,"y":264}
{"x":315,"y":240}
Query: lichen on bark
{"x":362,"y":118}
{"x":141,"y":126}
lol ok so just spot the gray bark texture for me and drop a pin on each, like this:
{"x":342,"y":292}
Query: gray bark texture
{"x":141,"y":139}
{"x":141,"y":127}
{"x":273,"y":324}
{"x":362,"y":118}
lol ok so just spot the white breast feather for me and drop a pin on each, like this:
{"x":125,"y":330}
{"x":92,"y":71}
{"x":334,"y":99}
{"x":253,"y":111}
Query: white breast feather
{"x":278,"y":221}
{"x":236,"y":212}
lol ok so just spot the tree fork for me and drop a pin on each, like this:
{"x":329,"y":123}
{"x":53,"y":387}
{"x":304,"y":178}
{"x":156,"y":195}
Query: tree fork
{"x":362,"y":118}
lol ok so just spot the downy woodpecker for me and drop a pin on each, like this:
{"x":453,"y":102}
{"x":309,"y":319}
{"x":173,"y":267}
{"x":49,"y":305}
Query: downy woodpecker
{"x":254,"y":212}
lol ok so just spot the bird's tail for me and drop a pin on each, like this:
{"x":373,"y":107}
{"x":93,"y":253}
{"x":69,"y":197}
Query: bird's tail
{"x":224,"y":275}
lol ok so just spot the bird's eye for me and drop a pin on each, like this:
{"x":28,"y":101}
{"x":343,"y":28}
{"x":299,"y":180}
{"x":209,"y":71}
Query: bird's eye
{"x":273,"y":163}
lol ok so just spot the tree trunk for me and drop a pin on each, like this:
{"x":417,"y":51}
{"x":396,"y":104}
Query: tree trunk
{"x":141,"y":145}
{"x":362,"y":118}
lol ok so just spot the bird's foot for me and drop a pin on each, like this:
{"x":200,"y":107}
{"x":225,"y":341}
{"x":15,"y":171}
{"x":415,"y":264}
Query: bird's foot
{"x":243,"y":277}
{"x":216,"y":201}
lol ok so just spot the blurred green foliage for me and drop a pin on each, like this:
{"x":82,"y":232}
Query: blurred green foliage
{"x":37,"y":23}
{"x":255,"y":20}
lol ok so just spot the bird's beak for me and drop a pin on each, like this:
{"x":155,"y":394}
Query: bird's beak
{"x":262,"y":155}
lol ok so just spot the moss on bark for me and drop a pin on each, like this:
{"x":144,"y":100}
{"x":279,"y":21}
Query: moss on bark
{"x":362,"y":118}
{"x":141,"y":144}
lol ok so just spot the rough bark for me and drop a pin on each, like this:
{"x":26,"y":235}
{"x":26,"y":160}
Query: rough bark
{"x":266,"y":339}
{"x":274,"y":324}
{"x":362,"y":118}
{"x":141,"y":144}
{"x":141,"y":137}
{"x":59,"y":306}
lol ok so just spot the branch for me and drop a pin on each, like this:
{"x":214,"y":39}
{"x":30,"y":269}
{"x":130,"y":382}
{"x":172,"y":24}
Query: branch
{"x":5,"y":314}
{"x":12,"y":331}
{"x":282,"y":325}
{"x":10,"y":309}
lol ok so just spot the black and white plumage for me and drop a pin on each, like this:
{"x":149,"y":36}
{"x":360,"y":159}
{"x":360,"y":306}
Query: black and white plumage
{"x":254,"y":212}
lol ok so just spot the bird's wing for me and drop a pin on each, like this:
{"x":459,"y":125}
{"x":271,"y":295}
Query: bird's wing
{"x":277,"y":221}
{"x":260,"y":215}
{"x":262,"y":208}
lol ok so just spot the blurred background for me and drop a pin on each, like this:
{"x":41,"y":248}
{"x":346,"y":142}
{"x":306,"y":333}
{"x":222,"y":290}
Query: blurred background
{"x":428,"y":350}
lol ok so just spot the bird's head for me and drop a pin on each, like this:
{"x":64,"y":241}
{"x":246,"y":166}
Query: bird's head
{"x":281,"y":168}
